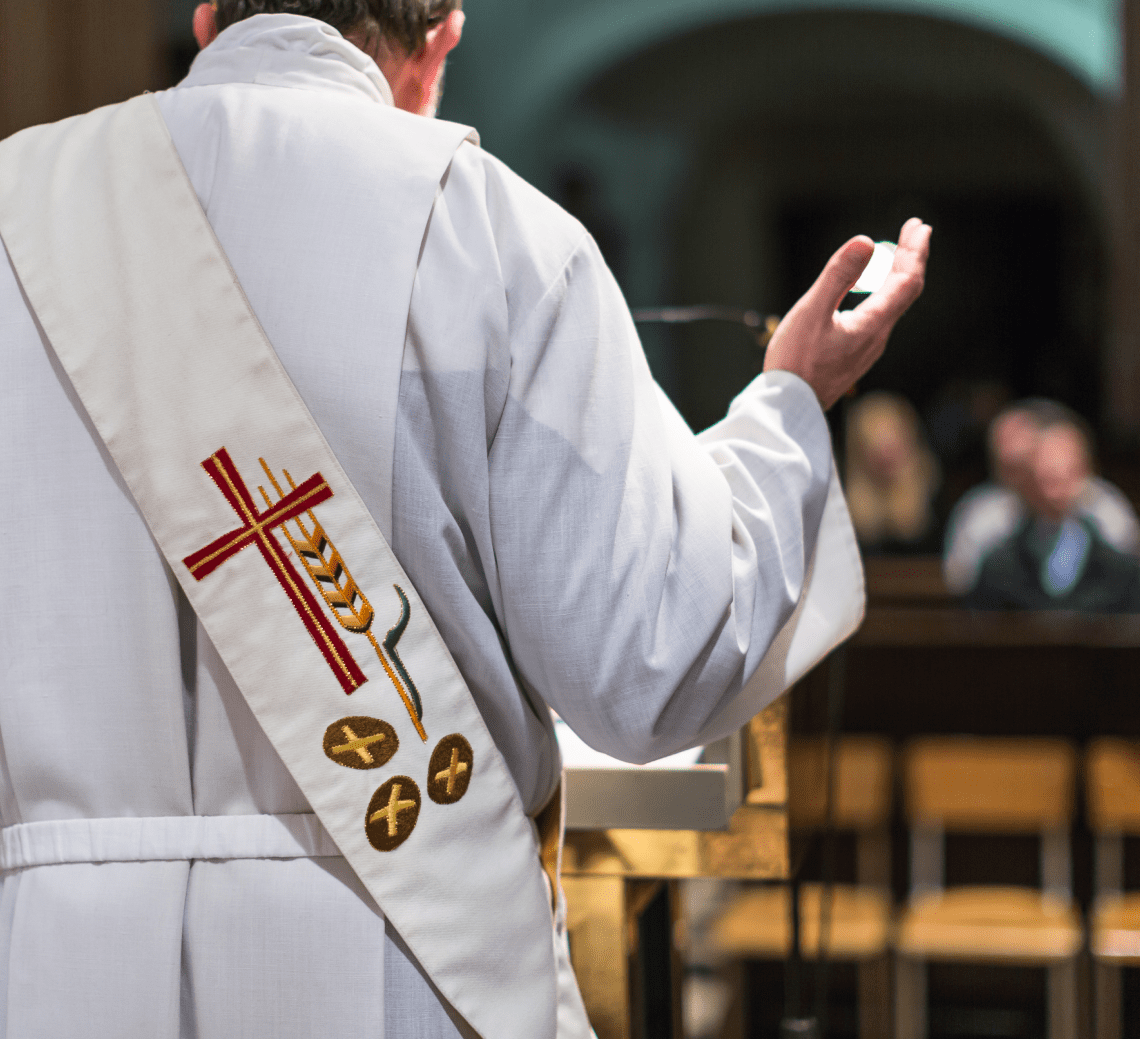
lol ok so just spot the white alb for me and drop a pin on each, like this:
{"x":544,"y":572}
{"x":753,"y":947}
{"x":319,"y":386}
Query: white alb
{"x":575,"y":544}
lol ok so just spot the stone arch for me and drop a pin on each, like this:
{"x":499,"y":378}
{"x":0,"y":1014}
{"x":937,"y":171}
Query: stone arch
{"x":532,"y":59}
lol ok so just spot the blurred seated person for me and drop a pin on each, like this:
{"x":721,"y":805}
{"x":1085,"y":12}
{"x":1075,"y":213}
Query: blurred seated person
{"x":992,"y":512}
{"x":892,"y":477}
{"x":1056,"y":558}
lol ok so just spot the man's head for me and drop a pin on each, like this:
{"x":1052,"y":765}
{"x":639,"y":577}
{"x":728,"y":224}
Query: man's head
{"x":1061,"y":467}
{"x":408,"y":39}
{"x":1043,"y":451}
{"x":1013,"y":439}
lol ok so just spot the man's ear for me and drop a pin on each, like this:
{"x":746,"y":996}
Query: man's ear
{"x":205,"y":25}
{"x":415,"y":79}
{"x":442,"y":39}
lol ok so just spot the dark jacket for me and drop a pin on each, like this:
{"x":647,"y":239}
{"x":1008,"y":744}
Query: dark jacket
{"x":1015,"y":576}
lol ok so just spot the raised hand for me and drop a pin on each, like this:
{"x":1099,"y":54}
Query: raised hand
{"x":832,"y":349}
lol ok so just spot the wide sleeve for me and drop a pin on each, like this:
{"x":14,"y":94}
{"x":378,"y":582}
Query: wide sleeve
{"x":644,"y":573}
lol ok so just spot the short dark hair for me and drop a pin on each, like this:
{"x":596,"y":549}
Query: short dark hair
{"x":402,"y":22}
{"x":1048,"y":414}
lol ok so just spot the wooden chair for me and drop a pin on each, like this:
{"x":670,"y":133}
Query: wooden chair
{"x":756,"y":923}
{"x":976,"y":785}
{"x":1112,"y":782}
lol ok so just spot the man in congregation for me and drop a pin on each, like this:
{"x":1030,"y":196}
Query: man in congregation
{"x":992,"y":512}
{"x":1056,"y":553}
{"x":1047,"y":532}
{"x":183,"y":856}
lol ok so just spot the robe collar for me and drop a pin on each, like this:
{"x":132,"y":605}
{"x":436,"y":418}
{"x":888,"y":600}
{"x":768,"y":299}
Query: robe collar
{"x":288,"y":50}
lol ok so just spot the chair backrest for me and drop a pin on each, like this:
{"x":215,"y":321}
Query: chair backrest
{"x":1112,"y":781}
{"x":989,"y":785}
{"x":862,"y":783}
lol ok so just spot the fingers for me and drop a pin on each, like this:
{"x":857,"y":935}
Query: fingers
{"x":840,"y":275}
{"x":903,"y":285}
{"x":913,"y":248}
{"x":829,"y":348}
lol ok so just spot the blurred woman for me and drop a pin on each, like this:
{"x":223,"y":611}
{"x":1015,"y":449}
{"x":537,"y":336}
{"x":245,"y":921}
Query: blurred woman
{"x":892,"y":476}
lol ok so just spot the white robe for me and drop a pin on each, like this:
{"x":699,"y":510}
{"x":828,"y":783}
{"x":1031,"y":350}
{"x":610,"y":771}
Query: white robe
{"x":577,"y":546}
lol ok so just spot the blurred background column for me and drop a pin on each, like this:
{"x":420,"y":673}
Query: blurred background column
{"x":1123,"y":369}
{"x":61,"y":57}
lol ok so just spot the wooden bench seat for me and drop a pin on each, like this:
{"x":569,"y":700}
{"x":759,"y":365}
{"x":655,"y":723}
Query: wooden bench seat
{"x":1115,"y":929}
{"x":998,"y":925}
{"x":756,"y":924}
{"x":978,"y":785}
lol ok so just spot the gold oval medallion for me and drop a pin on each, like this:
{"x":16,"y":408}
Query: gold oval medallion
{"x":360,"y":742}
{"x":392,"y":813}
{"x":450,"y":768}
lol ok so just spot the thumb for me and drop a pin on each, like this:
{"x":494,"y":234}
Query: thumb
{"x":840,"y":274}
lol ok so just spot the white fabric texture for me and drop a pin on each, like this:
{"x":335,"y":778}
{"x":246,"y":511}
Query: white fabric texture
{"x":576,"y":545}
{"x":169,"y":362}
{"x":134,"y":839}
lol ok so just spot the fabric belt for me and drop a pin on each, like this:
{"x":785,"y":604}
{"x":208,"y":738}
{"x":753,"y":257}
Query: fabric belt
{"x":164,"y":838}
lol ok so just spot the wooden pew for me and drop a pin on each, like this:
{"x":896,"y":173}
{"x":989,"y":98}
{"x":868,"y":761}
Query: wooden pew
{"x":921,"y":664}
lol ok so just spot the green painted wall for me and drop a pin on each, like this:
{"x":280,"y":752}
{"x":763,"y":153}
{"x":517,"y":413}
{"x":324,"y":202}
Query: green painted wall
{"x":522,"y":58}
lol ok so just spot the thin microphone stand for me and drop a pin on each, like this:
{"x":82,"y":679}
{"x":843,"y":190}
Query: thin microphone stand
{"x":760,"y":326}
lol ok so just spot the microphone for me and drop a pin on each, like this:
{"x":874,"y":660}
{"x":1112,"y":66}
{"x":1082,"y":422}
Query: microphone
{"x":759,"y":326}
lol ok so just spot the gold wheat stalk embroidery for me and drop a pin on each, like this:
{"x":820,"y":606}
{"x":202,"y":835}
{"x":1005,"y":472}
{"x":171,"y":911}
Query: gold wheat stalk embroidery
{"x":348,"y":603}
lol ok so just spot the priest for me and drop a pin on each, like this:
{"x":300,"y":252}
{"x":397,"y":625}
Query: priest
{"x":477,"y":379}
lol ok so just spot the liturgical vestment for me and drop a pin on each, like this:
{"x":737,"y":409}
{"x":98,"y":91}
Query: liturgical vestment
{"x":578,"y":547}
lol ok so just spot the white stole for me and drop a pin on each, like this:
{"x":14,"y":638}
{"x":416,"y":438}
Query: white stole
{"x":292,"y":579}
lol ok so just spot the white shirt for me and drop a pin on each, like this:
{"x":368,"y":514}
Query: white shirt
{"x":577,"y":546}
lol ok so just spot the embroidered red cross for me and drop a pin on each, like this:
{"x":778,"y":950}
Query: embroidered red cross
{"x":256,"y":529}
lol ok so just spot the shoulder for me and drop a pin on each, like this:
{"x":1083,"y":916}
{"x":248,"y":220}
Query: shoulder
{"x":982,"y":518}
{"x":1100,"y":494}
{"x":1112,"y":513}
{"x":985,"y":505}
{"x":534,"y":236}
